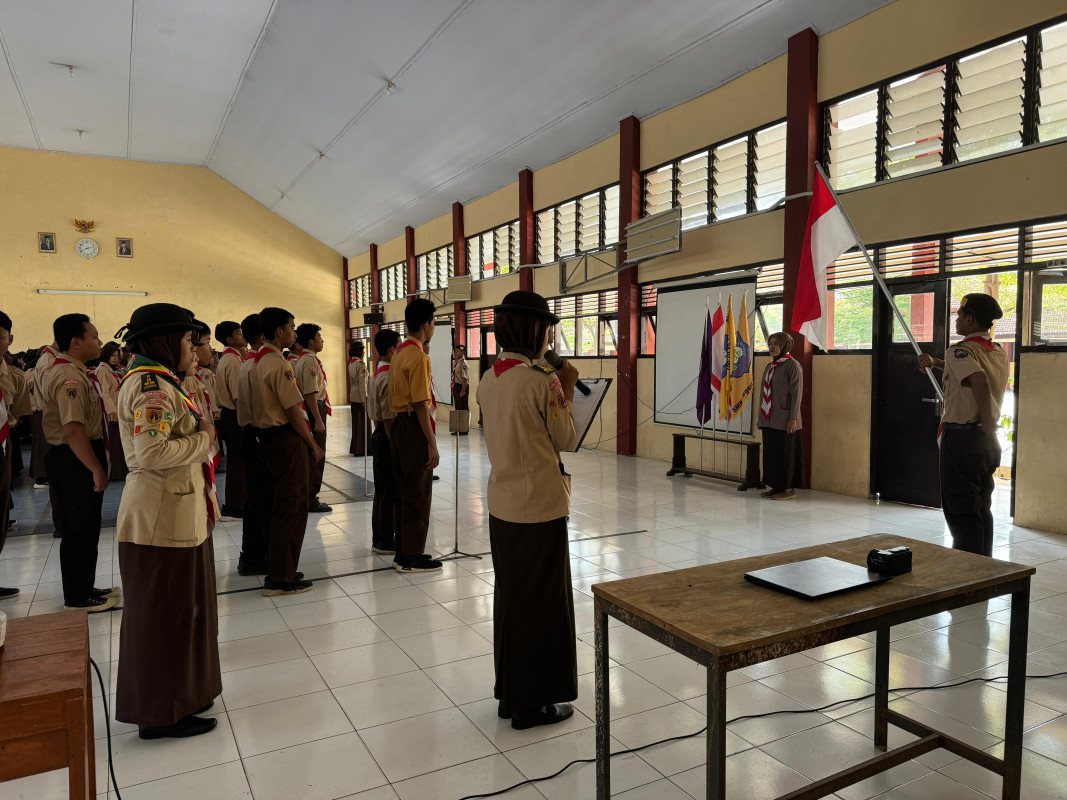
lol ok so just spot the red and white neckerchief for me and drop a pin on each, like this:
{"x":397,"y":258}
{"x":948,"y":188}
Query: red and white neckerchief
{"x":214,"y":458}
{"x":260,"y":353}
{"x":325,"y":383}
{"x":433,"y":391}
{"x":765,"y":400}
{"x":461,"y":362}
{"x":5,"y":427}
{"x":985,"y":344}
{"x":502,"y":365}
{"x":381,"y":369}
{"x":229,"y":351}
{"x":293,"y":356}
{"x":103,"y":408}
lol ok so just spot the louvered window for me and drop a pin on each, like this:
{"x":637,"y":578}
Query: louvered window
{"x":494,"y":252}
{"x":693,"y":190}
{"x":488,"y":251}
{"x":1046,"y":242}
{"x":474,"y":257}
{"x":567,"y":229}
{"x":435,"y":268}
{"x":393,"y":282}
{"x":915,"y":123}
{"x":1052,"y":84}
{"x":359,"y":292}
{"x":730,"y":184}
{"x":611,"y":215}
{"x":977,"y":251}
{"x":989,"y":101}
{"x":648,"y":296}
{"x":850,"y":268}
{"x":769,"y":165}
{"x":546,"y":236}
{"x":659,"y":190}
{"x":516,"y":250}
{"x":609,"y":302}
{"x":771,"y":279}
{"x":502,"y":250}
{"x":589,"y":221}
{"x":360,"y":334}
{"x":911,"y":259}
{"x":851,"y":139}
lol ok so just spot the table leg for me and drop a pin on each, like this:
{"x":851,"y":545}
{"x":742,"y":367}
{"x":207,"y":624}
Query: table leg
{"x":881,"y":689}
{"x":603,"y":702}
{"x":78,"y":783}
{"x":90,"y":732}
{"x":716,"y":764}
{"x":1013,"y":724}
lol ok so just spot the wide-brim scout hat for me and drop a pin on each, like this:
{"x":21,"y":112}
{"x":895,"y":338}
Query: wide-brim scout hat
{"x":982,"y":307}
{"x":529,"y":303}
{"x":157,"y":319}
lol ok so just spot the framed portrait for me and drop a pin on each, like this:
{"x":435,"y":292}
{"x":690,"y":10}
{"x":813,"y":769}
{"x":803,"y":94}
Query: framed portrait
{"x":124,"y":248}
{"x":46,"y":242}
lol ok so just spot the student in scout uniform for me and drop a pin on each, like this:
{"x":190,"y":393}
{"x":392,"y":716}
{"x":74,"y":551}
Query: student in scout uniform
{"x":357,"y":398}
{"x":529,"y":420}
{"x":287,"y":450}
{"x":192,"y":380}
{"x":14,"y":403}
{"x":461,"y":381}
{"x":413,"y":439}
{"x":109,"y":372}
{"x":384,"y":511}
{"x":204,"y":363}
{"x":169,"y":666}
{"x":255,"y":520}
{"x":311,"y":378}
{"x":231,"y":335}
{"x":975,"y":377}
{"x":779,"y":419}
{"x":73,"y":421}
{"x":45,"y":356}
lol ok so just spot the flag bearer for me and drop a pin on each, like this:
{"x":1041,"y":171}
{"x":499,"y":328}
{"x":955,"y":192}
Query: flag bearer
{"x":975,"y":377}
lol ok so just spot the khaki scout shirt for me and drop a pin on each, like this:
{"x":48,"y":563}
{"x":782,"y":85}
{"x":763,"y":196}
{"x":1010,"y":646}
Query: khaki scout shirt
{"x":109,"y":382}
{"x":309,"y":378}
{"x":357,"y":381}
{"x":16,"y":389}
{"x":527,"y":423}
{"x":461,"y":372}
{"x":274,"y":389}
{"x":243,"y":397}
{"x":69,"y":396}
{"x":226,"y":380}
{"x":164,"y":501}
{"x":409,"y":381}
{"x":963,"y":360}
{"x":378,"y":396}
{"x":207,"y":378}
{"x":44,"y":361}
{"x":194,"y":387}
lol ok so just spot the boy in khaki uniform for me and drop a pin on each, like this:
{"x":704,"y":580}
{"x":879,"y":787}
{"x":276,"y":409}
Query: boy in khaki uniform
{"x":73,"y":420}
{"x":14,"y":403}
{"x":255,"y":516}
{"x":311,"y":378}
{"x":286,"y":444}
{"x":231,"y":335}
{"x":384,"y":513}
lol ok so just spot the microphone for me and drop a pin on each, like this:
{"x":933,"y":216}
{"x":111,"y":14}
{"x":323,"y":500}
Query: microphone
{"x":555,"y":360}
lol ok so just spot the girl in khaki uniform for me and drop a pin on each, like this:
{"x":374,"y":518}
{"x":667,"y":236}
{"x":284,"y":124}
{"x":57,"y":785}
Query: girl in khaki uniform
{"x":169,"y":658}
{"x":109,"y":373}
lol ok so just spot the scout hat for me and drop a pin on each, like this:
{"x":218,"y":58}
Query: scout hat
{"x":982,"y":307}
{"x":156,"y":319}
{"x":529,"y":303}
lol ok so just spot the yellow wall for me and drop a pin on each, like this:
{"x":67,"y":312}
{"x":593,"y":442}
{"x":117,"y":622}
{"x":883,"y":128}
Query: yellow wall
{"x":435,"y":233}
{"x":584,"y":171}
{"x":1041,"y":441}
{"x":197,"y":241}
{"x":392,"y":252}
{"x":841,"y":424}
{"x":493,"y":210}
{"x":359,"y":265}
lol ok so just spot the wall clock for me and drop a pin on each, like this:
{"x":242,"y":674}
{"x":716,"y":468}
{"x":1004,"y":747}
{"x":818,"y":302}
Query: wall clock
{"x":87,"y":248}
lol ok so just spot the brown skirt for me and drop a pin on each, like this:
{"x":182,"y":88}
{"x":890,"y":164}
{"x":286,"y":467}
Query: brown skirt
{"x":168,"y":647}
{"x":533,"y":614}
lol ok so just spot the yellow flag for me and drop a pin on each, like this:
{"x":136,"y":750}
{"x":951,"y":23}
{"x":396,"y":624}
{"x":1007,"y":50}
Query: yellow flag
{"x":741,"y":371}
{"x":727,"y":361}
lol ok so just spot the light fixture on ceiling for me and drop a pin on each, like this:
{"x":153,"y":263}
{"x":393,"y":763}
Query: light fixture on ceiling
{"x":389,"y":86}
{"x":321,"y":155}
{"x":80,"y":132}
{"x":92,"y":291}
{"x":68,"y":67}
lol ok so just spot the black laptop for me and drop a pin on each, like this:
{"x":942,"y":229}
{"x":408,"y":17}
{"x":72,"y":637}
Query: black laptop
{"x":816,"y":577}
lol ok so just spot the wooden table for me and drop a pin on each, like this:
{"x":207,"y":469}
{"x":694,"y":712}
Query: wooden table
{"x":715,"y":617}
{"x":46,"y":700}
{"x":749,"y":444}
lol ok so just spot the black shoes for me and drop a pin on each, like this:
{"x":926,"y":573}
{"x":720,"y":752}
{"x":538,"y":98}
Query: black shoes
{"x":191,"y":725}
{"x":94,"y":605}
{"x":8,"y":591}
{"x":278,"y":588}
{"x":233,"y":512}
{"x":320,"y":508}
{"x":546,"y":715}
{"x":419,"y":563}
{"x":382,"y":551}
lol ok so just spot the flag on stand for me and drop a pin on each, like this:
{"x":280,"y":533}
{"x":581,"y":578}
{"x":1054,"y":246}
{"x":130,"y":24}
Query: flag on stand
{"x":741,"y":366}
{"x":727,"y":352}
{"x":704,"y":376}
{"x":718,"y":344}
{"x":826,"y":237}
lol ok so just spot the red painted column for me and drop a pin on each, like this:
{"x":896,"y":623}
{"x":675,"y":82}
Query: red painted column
{"x":527,"y":230}
{"x":802,"y":142}
{"x":346,"y":297}
{"x":629,"y":290}
{"x":459,"y":259}
{"x":409,"y":257}
{"x":375,"y":298}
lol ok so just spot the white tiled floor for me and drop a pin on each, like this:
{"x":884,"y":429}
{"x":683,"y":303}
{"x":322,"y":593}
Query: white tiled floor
{"x":379,"y":687}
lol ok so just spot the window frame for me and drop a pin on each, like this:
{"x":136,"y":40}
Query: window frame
{"x":477,"y":272}
{"x":578,"y":252}
{"x":422,"y":267}
{"x":386,"y":280}
{"x":356,"y":286}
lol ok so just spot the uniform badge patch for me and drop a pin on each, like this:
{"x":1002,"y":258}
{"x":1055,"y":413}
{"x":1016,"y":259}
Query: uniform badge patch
{"x":137,"y":414}
{"x":137,"y":429}
{"x":153,"y":433}
{"x":168,"y":417}
{"x":72,"y":392}
{"x":959,"y":352}
{"x":163,"y":427}
{"x":551,"y":403}
{"x":149,"y":383}
{"x":161,"y":396}
{"x":555,"y":415}
{"x":289,"y":375}
{"x":155,"y":415}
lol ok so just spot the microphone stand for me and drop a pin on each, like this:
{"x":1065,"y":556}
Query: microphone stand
{"x":455,"y":554}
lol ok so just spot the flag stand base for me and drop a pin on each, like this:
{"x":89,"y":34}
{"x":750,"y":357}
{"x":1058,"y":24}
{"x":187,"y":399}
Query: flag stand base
{"x":751,"y":479}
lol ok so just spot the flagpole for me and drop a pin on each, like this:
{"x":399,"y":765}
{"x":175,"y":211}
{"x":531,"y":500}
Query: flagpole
{"x":707,"y":305}
{"x":881,"y":284}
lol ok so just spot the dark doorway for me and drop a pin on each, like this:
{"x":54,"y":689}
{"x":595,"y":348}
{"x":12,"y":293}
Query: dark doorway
{"x":488,"y":356}
{"x":906,"y":409}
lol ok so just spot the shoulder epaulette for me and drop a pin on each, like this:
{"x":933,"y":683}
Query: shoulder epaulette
{"x":539,"y":368}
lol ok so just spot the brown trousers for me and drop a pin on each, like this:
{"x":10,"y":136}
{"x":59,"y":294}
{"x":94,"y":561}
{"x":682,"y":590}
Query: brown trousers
{"x":359,"y":429}
{"x":286,"y":458}
{"x":414,"y":485}
{"x":318,"y":467}
{"x":236,"y":474}
{"x":7,"y":459}
{"x":384,"y":513}
{"x":255,"y":522}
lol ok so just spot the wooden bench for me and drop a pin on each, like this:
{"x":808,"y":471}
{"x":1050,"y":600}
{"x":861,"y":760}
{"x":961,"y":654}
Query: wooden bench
{"x":46,"y":701}
{"x":750,"y":444}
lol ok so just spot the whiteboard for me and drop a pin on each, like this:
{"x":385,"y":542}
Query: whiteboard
{"x":441,"y":362}
{"x":681,"y":310}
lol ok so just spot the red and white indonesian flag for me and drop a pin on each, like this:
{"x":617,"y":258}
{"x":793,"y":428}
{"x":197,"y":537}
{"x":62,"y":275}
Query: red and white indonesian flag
{"x":718,"y":341}
{"x":827,"y":236}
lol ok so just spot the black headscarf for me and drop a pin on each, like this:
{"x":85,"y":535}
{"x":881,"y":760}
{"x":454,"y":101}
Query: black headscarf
{"x":520,"y":333}
{"x":165,"y":349}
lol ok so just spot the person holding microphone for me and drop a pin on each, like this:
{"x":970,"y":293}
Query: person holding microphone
{"x":528,"y":421}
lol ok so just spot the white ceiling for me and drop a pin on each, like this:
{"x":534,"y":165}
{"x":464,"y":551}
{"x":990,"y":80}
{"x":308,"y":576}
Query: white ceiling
{"x":257,"y":89}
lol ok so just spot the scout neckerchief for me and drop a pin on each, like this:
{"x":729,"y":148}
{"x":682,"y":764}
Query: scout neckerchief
{"x":457,"y":367}
{"x":103,"y":409}
{"x":502,"y":365}
{"x":381,"y":369}
{"x":325,"y":383}
{"x":765,"y":403}
{"x":985,"y":344}
{"x":433,"y":391}
{"x":146,"y":367}
{"x":232,"y":351}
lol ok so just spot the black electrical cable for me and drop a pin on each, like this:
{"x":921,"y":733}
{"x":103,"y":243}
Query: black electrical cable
{"x":826,"y":707}
{"x":107,"y":725}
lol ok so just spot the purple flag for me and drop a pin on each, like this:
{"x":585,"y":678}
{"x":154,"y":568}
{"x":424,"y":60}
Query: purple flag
{"x":704,"y":390}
